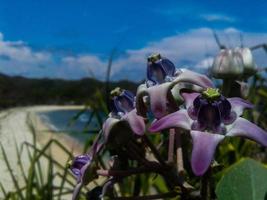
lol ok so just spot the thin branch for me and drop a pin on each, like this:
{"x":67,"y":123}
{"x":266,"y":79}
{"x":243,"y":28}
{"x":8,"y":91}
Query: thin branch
{"x":216,"y":37}
{"x":264,"y":46}
{"x":129,"y":172}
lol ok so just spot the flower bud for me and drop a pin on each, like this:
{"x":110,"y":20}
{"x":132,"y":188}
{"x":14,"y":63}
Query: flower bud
{"x":159,"y":70}
{"x":122,"y":101}
{"x":228,"y":64}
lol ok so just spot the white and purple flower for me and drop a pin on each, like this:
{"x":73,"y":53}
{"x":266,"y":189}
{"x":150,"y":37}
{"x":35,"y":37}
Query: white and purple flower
{"x":123,"y":112}
{"x":160,"y":93}
{"x":210,"y":117}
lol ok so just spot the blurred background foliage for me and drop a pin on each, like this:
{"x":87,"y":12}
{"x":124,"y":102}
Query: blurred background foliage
{"x":21,"y":91}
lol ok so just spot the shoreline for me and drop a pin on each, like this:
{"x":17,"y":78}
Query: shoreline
{"x":45,"y":133}
{"x":15,"y":129}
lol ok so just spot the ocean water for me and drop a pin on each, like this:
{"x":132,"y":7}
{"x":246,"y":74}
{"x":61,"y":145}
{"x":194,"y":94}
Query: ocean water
{"x":63,"y":121}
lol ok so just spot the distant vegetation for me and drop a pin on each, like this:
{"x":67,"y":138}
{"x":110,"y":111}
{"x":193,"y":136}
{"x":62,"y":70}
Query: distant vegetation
{"x":21,"y":91}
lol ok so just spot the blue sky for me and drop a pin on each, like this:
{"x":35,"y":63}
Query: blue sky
{"x":73,"y":38}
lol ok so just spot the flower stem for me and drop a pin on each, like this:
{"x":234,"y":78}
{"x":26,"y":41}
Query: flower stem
{"x":206,"y":186}
{"x":179,"y":153}
{"x":231,"y":88}
{"x":226,"y":87}
{"x":171,"y":145}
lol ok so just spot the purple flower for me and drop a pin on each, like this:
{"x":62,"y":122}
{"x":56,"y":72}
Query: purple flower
{"x":78,"y":163}
{"x":210,"y":117}
{"x":123,"y":112}
{"x":84,"y":168}
{"x":159,"y":70}
{"x":163,"y":85}
{"x":122,"y":101}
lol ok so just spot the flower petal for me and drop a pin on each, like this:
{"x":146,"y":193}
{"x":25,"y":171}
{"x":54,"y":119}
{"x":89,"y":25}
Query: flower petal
{"x":176,"y":119}
{"x":77,"y":164}
{"x":194,"y":78}
{"x":107,"y":126}
{"x":244,"y":128}
{"x":158,"y":99}
{"x":238,"y":105}
{"x":189,"y":98}
{"x":204,"y":145}
{"x":116,"y":132}
{"x":88,"y":173}
{"x":136,"y":122}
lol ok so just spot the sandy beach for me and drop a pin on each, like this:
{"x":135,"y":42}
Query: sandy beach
{"x":14,"y":128}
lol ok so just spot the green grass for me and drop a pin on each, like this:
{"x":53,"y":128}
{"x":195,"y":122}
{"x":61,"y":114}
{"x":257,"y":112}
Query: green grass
{"x":54,"y":183}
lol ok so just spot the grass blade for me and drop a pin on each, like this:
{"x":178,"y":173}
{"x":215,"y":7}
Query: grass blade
{"x":16,"y":184}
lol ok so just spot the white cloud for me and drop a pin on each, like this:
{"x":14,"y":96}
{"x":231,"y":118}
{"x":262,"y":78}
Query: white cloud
{"x":194,"y":48}
{"x":182,"y":12}
{"x":89,"y":65}
{"x":18,"y":58}
{"x":184,"y":48}
{"x":205,"y":63}
{"x":217,"y":17}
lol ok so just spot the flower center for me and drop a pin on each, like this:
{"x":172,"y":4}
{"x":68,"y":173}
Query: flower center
{"x":211,"y":94}
{"x":211,"y":111}
{"x":116,"y":92}
{"x":154,"y":57}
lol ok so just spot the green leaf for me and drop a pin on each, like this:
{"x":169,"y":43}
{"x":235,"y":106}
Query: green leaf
{"x":245,"y":180}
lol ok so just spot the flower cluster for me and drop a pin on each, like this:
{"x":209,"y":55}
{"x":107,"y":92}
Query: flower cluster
{"x":172,"y":98}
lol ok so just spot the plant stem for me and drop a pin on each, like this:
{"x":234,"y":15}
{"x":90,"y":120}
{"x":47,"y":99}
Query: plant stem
{"x":179,"y":153}
{"x":226,"y":87}
{"x":231,"y":88}
{"x":171,"y":145}
{"x":129,"y":172}
{"x":206,"y":185}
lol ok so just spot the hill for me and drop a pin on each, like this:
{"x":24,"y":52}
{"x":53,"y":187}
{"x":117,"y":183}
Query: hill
{"x":21,"y":91}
